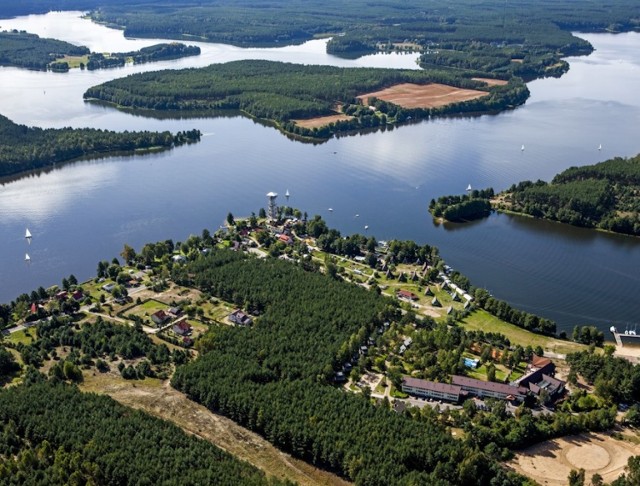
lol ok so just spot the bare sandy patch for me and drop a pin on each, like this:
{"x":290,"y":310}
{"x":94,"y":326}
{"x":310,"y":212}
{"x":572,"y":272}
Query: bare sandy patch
{"x":158,"y":398}
{"x":551,"y":462}
{"x":321,"y":121}
{"x":491,"y":81}
{"x":409,"y":95}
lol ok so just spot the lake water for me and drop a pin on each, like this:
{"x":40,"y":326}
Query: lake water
{"x":83,"y":212}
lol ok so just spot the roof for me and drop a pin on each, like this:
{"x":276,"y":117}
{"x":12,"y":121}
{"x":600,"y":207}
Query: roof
{"x":184,"y":325}
{"x":432,"y":385}
{"x":539,"y":361}
{"x":488,"y":385}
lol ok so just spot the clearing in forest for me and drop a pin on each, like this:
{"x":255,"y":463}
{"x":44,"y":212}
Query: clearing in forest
{"x":550,"y":462}
{"x":321,"y":121}
{"x":434,"y":95}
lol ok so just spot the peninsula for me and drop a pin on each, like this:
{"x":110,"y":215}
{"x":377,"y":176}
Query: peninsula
{"x":604,"y":196}
{"x":311,"y":101}
{"x":29,"y":148}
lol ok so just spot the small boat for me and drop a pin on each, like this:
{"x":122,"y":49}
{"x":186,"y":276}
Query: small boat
{"x":330,"y":210}
{"x":286,"y":194}
{"x":27,"y":258}
{"x":522,"y":148}
{"x":600,"y":147}
{"x":469,"y":187}
{"x":366,"y":227}
{"x":27,"y":234}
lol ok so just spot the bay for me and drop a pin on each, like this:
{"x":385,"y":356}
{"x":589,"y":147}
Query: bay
{"x":85,"y":211}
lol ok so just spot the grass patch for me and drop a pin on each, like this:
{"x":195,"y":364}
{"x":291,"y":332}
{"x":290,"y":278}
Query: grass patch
{"x":24,"y":336}
{"x":481,"y":320}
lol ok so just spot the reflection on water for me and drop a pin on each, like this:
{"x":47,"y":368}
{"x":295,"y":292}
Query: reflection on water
{"x":84,"y":212}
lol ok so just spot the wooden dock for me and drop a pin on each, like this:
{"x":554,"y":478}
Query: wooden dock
{"x":618,"y":336}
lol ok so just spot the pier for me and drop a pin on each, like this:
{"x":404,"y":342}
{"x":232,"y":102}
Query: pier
{"x":618,"y":335}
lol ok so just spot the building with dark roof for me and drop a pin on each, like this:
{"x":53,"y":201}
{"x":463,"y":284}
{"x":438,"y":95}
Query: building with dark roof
{"x":486,"y":389}
{"x":431,"y":389}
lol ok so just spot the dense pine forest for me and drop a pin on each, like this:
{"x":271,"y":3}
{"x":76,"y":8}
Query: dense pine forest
{"x":275,"y":377}
{"x":605,"y":195}
{"x":54,"y":434}
{"x":30,"y":51}
{"x":28,"y":148}
{"x":525,"y":38}
{"x":466,"y":207}
{"x":283,"y":92}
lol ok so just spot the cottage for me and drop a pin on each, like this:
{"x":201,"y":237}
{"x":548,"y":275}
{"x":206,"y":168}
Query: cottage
{"x":431,"y":389}
{"x":108,"y":287}
{"x":160,"y":317}
{"x":435,"y":302}
{"x":428,"y":292}
{"x":405,"y":294}
{"x":77,"y":296}
{"x":179,"y":258}
{"x":62,"y":295}
{"x":455,"y":297}
{"x":187,"y":342}
{"x":285,"y":239}
{"x":239,"y":317}
{"x":182,"y":328}
{"x":175,"y":311}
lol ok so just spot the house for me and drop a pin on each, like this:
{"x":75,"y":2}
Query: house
{"x":77,"y":296}
{"x":239,"y":317}
{"x":427,"y":291}
{"x":553,"y":386}
{"x":179,"y":258}
{"x":187,"y":341}
{"x":405,"y":294}
{"x":108,"y":287}
{"x":182,"y":328}
{"x":399,"y":406}
{"x":175,"y":311}
{"x":431,"y":389}
{"x":339,"y":377}
{"x":285,"y":239}
{"x":484,"y":389}
{"x":455,"y":297}
{"x":62,"y":295}
{"x":435,"y":302}
{"x":160,"y":317}
{"x":535,"y":369}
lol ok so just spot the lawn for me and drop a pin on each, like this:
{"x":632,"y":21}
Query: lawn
{"x":25,"y":336}
{"x":147,"y":308}
{"x":481,"y":320}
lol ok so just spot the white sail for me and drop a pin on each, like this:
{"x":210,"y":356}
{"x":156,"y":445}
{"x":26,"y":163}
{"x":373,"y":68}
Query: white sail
{"x":27,"y":258}
{"x":366,"y":227}
{"x":287,"y":193}
{"x":600,"y":147}
{"x":522,"y":148}
{"x":27,"y":233}
{"x":469,"y":187}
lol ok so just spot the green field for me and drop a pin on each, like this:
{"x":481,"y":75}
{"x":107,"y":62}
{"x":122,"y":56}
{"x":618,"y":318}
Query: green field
{"x":481,"y":320}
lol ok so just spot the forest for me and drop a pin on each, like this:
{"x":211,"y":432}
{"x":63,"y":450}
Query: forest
{"x":33,"y":52}
{"x":29,"y":148}
{"x":275,"y":377}
{"x":157,"y":52}
{"x":283,"y":92}
{"x":54,"y":434}
{"x":461,"y":208}
{"x":605,"y":195}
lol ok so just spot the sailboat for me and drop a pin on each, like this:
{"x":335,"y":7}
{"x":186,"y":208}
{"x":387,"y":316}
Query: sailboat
{"x":27,"y":234}
{"x":522,"y":148}
{"x":27,"y":258}
{"x":469,"y":187}
{"x":286,"y":194}
{"x":330,"y":210}
{"x":600,"y":147}
{"x":366,"y":227}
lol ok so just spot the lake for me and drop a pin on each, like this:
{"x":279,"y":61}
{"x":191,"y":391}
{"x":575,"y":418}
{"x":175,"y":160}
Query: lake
{"x":85,"y":211}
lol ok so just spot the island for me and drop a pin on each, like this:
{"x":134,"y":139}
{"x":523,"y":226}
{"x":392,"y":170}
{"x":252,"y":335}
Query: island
{"x":30,"y":51}
{"x":461,"y":208}
{"x":314,"y":102}
{"x":605,"y":196}
{"x":278,"y":329}
{"x":30,"y":148}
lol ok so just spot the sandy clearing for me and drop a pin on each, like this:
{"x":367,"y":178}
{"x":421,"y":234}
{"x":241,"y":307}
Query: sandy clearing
{"x":549,"y":463}
{"x":321,"y":121}
{"x":491,"y":81}
{"x":159,"y":399}
{"x":409,"y":95}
